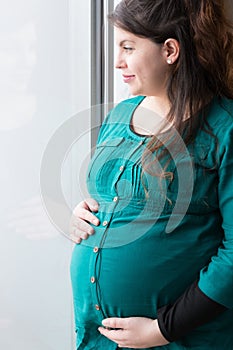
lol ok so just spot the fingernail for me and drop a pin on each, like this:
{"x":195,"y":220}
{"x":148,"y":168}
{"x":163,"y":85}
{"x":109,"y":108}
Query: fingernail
{"x":91,"y":232}
{"x":104,"y":323}
{"x":95,"y":222}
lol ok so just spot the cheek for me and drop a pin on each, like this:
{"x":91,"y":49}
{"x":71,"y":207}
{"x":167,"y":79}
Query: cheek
{"x":142,"y":71}
{"x":149,"y":68}
{"x":158,"y":72}
{"x":149,"y":76}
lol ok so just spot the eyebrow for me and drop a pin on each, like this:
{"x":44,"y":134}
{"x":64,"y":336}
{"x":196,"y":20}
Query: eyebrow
{"x":124,"y":41}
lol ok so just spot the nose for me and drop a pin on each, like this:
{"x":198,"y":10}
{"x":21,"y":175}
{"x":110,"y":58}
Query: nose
{"x":120,"y":62}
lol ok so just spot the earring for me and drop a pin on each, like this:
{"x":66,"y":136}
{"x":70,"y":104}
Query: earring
{"x":169,"y":61}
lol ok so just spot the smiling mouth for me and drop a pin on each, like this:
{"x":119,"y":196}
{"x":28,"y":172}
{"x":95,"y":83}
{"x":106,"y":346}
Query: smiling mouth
{"x":128,"y":78}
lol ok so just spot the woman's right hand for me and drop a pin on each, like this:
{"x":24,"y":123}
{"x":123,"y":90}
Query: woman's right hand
{"x":82,"y":215}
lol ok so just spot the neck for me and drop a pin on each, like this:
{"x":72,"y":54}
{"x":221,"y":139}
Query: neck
{"x":158,"y":104}
{"x":150,"y":117}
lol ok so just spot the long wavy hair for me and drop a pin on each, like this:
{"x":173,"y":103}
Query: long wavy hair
{"x":204,"y":69}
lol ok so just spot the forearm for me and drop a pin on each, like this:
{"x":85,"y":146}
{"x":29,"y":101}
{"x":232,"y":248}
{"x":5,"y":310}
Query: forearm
{"x":190,"y":311}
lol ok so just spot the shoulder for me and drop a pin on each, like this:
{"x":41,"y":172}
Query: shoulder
{"x":116,"y":122}
{"x":220,"y":119}
{"x":220,"y":116}
{"x":121,"y":113}
{"x":215,"y":137}
{"x":126,"y":106}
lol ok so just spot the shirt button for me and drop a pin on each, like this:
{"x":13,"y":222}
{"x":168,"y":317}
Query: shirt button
{"x":121,"y":167}
{"x":92,"y":279}
{"x":115,"y":199}
{"x":105,"y":223}
{"x":95,"y":249}
{"x":97,"y":307}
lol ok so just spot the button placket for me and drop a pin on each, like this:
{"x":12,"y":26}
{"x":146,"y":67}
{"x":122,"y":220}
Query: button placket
{"x":108,"y":216}
{"x":95,"y":249}
{"x":106,"y":220}
{"x":94,"y":267}
{"x":92,"y":280}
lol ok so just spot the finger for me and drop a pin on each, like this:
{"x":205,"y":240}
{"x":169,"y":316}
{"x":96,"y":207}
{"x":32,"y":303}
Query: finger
{"x":84,"y":235}
{"x":89,"y":204}
{"x":92,"y":204}
{"x":76,"y":233}
{"x":84,"y":214}
{"x":115,"y":322}
{"x":88,"y":216}
{"x":75,"y":239}
{"x":117,"y":336}
{"x":81,"y":225}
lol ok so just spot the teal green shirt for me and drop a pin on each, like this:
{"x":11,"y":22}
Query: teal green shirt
{"x":157,"y":235}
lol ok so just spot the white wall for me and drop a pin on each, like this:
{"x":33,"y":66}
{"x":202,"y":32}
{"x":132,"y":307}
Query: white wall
{"x":121,"y":90}
{"x":44,"y":80}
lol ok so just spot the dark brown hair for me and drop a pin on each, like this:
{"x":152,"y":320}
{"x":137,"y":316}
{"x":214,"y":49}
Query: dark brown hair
{"x":204,"y":68}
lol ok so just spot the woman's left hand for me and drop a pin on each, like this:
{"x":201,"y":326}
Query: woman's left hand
{"x":133,"y":332}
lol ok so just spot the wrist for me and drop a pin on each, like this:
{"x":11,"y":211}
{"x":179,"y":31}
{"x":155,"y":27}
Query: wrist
{"x":161,"y":340}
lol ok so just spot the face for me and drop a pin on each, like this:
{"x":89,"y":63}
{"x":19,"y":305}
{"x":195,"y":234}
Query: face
{"x":142,"y":63}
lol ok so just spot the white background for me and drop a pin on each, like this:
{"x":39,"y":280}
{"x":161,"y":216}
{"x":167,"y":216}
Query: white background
{"x":121,"y":90}
{"x":44,"y":80}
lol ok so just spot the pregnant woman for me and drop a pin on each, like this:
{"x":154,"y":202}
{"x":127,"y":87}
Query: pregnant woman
{"x":153,"y":263}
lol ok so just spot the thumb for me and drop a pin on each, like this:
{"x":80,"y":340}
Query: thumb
{"x":114,"y":322}
{"x":92,"y":204}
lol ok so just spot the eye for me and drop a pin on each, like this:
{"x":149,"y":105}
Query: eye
{"x":127,"y":48}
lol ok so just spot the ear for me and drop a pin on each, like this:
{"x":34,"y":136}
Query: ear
{"x":171,"y":48}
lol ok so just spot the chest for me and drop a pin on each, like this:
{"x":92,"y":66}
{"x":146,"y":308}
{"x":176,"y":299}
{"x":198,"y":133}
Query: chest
{"x":187,"y":180}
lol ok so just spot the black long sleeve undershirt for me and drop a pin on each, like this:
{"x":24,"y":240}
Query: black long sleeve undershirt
{"x":191,"y":310}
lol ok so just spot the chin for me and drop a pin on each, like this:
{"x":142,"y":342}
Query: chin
{"x":135,"y":92}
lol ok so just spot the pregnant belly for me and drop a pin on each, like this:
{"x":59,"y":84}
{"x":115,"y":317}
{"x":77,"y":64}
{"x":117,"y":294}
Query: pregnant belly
{"x":134,"y":279}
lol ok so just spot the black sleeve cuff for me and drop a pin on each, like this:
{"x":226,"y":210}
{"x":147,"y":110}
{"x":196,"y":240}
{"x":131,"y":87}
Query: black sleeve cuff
{"x":191,"y":310}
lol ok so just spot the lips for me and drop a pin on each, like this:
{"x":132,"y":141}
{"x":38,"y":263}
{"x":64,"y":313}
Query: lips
{"x":128,"y":78}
